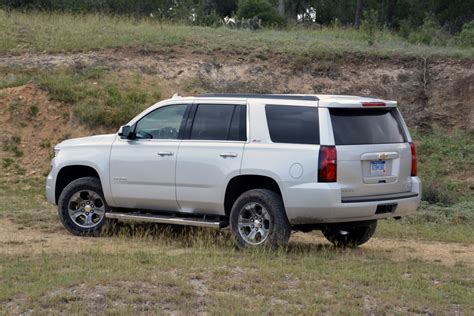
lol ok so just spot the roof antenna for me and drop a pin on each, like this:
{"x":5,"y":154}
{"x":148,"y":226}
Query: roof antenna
{"x":175,"y":96}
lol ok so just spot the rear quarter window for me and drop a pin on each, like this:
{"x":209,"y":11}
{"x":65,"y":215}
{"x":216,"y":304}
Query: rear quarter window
{"x":293,"y":124}
{"x":366,"y":126}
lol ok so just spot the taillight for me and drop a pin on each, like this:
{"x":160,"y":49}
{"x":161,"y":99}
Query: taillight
{"x":413,"y":160}
{"x":327,"y":168}
{"x":373,"y":104}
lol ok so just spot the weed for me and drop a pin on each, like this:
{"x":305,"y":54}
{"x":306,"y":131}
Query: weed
{"x":10,"y":144}
{"x":7,"y":162}
{"x":45,"y":143}
{"x":15,"y":106}
{"x":33,"y":110}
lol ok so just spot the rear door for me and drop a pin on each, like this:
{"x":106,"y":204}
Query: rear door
{"x":210,"y":155}
{"x":373,"y":154}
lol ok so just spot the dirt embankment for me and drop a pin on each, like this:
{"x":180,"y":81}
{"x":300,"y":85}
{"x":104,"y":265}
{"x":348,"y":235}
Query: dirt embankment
{"x":430,"y":91}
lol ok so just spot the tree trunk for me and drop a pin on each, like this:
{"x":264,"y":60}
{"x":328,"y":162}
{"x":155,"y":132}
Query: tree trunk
{"x":391,"y":7}
{"x":288,"y":9}
{"x":281,"y":7}
{"x":358,"y":14}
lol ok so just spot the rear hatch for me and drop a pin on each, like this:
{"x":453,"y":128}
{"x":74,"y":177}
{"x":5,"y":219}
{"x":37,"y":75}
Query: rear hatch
{"x":373,"y":153}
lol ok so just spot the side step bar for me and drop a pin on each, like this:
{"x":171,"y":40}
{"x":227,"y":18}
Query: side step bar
{"x":167,"y":219}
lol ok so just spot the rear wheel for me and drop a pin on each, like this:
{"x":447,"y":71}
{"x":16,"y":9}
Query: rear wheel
{"x":82,"y":207}
{"x":258,"y":218}
{"x":350,"y":235}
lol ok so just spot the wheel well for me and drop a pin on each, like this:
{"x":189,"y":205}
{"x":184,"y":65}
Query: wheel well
{"x":241,"y":184}
{"x":70,"y":173}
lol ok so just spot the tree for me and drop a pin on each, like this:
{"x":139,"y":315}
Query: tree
{"x":290,"y":8}
{"x":358,"y":14}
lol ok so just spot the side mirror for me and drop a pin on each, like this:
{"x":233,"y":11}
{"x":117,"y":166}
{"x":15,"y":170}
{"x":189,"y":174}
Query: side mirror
{"x":125,"y":132}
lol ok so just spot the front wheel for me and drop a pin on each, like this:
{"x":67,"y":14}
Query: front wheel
{"x":258,"y":218}
{"x":350,"y":235}
{"x":82,"y":207}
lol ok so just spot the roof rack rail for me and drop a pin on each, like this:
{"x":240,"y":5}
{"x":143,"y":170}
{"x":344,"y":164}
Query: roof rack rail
{"x":261,"y":96}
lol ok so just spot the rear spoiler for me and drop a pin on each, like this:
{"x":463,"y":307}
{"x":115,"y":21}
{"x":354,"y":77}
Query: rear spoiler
{"x":356,"y":103}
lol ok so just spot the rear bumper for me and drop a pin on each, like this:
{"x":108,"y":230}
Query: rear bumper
{"x":314,"y":203}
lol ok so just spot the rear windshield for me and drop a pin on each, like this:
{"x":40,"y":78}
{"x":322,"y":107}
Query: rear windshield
{"x":366,"y":126}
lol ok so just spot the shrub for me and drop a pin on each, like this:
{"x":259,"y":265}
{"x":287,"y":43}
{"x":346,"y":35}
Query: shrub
{"x":405,"y":29}
{"x":466,"y":37}
{"x":370,"y":25}
{"x":261,"y":9}
{"x":439,"y":193}
{"x":429,"y":33}
{"x":203,"y":19}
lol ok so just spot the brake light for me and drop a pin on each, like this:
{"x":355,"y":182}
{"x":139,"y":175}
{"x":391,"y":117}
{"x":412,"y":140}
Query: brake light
{"x":327,"y":167}
{"x":373,"y":104}
{"x":413,"y":160}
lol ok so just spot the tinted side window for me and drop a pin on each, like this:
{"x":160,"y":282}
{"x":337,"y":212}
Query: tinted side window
{"x":293,"y":124}
{"x":365,"y":126}
{"x":238,"y":125}
{"x":162,"y":123}
{"x":218,"y":122}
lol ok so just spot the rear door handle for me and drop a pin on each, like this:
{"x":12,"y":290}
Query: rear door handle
{"x":228,"y":155}
{"x":165,"y":153}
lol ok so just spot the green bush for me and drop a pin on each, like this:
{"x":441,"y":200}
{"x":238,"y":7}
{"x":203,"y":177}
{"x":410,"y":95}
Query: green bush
{"x":430,"y":33}
{"x":261,"y":9}
{"x":466,"y":37}
{"x":370,"y":25}
{"x":203,"y":19}
{"x":405,"y":29}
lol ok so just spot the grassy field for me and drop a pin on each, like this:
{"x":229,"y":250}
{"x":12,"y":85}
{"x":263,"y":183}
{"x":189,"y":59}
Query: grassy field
{"x":54,"y":33}
{"x":146,"y":268}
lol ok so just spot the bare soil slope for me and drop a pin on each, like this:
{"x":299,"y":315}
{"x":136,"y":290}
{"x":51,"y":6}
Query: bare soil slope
{"x":430,"y":91}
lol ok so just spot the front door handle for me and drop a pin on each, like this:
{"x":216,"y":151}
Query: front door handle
{"x":228,"y":155}
{"x":165,"y":153}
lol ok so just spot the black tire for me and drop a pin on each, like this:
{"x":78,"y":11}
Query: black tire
{"x":90,"y":184}
{"x":278,"y":232}
{"x":357,"y":233}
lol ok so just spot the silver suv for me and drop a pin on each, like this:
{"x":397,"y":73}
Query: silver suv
{"x":263,"y":164}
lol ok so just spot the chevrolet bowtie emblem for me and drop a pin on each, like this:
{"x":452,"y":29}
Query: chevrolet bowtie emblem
{"x":382,"y":156}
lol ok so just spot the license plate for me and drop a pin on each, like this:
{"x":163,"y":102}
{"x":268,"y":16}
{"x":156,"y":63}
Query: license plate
{"x":377,"y":168}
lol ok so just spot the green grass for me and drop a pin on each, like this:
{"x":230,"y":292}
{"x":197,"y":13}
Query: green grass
{"x":445,"y":164}
{"x":53,"y":32}
{"x":98,"y":96}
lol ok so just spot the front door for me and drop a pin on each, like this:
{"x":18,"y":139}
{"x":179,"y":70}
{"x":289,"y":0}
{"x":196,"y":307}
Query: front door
{"x":142,"y":170}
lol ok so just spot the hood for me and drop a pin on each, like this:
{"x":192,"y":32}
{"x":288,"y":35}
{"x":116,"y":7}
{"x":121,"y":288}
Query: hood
{"x":97,"y":140}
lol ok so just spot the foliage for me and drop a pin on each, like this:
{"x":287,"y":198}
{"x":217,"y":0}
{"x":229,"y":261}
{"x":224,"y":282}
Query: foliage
{"x":370,"y":25}
{"x":261,"y":9}
{"x":429,"y":33}
{"x":451,"y":15}
{"x":54,"y":32}
{"x":466,"y":37}
{"x":203,"y":19}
